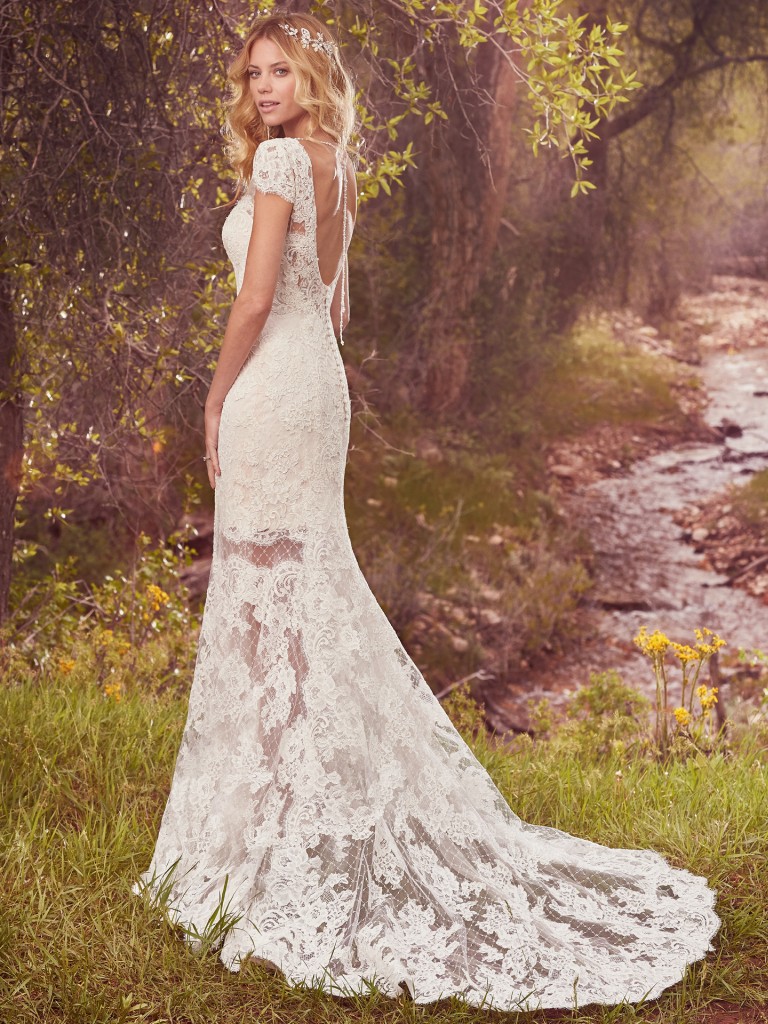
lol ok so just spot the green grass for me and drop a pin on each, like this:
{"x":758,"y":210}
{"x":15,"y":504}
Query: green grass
{"x":599,"y":380}
{"x":750,"y":502}
{"x":82,"y":787}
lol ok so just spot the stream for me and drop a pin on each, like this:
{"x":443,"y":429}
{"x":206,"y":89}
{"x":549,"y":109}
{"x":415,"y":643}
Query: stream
{"x":646,"y":571}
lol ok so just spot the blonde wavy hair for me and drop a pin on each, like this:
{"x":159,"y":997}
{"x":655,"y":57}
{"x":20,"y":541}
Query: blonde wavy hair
{"x":323,"y":88}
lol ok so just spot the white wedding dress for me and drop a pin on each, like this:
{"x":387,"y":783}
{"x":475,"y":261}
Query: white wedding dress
{"x":321,"y":795}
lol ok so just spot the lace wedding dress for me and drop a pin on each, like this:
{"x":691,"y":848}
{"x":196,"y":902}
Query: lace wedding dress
{"x":321,"y":796}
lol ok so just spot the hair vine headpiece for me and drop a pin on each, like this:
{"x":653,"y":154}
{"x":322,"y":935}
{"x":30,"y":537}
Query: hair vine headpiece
{"x":304,"y":36}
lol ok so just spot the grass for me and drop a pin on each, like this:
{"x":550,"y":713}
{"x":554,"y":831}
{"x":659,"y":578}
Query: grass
{"x":82,"y":787}
{"x":599,"y":380}
{"x":750,"y":503}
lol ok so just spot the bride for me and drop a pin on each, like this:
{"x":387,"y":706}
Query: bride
{"x":322,"y":801}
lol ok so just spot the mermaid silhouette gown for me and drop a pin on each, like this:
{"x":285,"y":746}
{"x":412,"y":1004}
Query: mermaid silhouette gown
{"x":321,"y":796}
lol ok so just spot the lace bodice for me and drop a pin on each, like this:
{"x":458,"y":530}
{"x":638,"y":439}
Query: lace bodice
{"x":283,"y":167}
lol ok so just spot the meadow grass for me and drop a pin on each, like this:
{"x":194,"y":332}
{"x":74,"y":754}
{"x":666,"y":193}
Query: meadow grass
{"x":83,"y":783}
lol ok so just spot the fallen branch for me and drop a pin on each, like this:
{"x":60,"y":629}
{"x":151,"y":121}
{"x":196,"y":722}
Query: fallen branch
{"x":481,"y":674}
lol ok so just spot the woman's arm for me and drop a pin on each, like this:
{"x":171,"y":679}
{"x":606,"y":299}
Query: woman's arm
{"x":271,"y":215}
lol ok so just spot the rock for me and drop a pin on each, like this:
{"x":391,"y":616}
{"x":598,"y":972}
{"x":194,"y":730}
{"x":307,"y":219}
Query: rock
{"x":699,"y":534}
{"x":496,"y":540}
{"x":459,"y":644}
{"x":490,"y":594}
{"x":458,"y":614}
{"x":490,"y":617}
{"x":564,"y":471}
{"x":390,"y":481}
{"x":429,"y":452}
{"x":728,"y":428}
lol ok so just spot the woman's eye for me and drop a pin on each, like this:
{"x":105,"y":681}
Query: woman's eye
{"x":253,"y":74}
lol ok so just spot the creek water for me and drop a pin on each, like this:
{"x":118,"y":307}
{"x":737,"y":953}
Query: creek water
{"x":646,"y":571}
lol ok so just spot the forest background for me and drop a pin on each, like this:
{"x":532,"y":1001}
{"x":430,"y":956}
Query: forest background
{"x":505,"y":345}
{"x":479,"y":281}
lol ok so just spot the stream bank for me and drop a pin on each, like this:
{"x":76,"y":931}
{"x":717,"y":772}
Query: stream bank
{"x":648,"y":567}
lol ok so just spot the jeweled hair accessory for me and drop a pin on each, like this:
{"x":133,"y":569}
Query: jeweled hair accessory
{"x":304,"y":36}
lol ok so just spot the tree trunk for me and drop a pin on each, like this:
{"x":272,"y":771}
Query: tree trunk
{"x":11,"y":427}
{"x":466,"y":175}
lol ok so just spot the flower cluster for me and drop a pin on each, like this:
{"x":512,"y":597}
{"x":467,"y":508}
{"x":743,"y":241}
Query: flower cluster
{"x":707,"y":698}
{"x":113,"y":690}
{"x":157,"y":596}
{"x":683,"y":716}
{"x":655,"y":644}
{"x":692,"y":658}
{"x":106,"y":639}
{"x":684,"y":652}
{"x":708,"y":642}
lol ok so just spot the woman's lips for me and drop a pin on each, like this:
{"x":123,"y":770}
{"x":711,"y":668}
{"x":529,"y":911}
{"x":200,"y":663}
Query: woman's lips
{"x":268,"y":104}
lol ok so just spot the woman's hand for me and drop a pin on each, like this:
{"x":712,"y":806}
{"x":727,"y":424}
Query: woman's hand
{"x":212,"y":420}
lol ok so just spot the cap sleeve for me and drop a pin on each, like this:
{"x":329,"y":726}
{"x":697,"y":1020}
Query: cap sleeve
{"x":273,"y":170}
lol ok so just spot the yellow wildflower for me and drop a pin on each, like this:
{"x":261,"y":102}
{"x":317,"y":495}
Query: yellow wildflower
{"x":701,"y":691}
{"x":708,"y":698}
{"x":684,"y":652}
{"x":66,"y":665}
{"x":112,"y":690}
{"x":683,"y":716}
{"x":157,"y":596}
{"x":708,"y":642}
{"x":656,"y":643}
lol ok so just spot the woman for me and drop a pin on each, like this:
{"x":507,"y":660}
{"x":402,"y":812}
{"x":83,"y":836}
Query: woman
{"x":321,"y":799}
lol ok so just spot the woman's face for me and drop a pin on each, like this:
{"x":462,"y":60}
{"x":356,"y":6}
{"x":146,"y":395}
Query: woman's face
{"x":272,"y":84}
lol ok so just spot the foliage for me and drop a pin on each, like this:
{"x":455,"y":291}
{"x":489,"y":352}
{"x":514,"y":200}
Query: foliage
{"x":569,"y":65}
{"x":132,"y":629}
{"x":750,"y":502}
{"x":464,"y":711}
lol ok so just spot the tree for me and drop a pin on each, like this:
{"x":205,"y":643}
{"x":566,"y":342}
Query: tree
{"x":678,"y":48}
{"x":111,"y":164}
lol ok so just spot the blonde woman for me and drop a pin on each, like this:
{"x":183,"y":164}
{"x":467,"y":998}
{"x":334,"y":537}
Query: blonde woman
{"x":324,"y":815}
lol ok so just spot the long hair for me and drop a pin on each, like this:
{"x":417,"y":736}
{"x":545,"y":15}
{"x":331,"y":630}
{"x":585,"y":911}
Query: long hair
{"x":323,"y":88}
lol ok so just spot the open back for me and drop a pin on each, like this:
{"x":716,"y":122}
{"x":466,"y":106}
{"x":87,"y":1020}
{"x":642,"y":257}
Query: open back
{"x":327,"y":170}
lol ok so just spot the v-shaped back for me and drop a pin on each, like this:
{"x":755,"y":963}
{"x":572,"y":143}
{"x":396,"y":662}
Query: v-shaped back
{"x":329,"y":195}
{"x":285,"y":167}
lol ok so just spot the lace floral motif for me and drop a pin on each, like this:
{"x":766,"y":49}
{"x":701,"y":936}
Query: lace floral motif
{"x":320,"y":780}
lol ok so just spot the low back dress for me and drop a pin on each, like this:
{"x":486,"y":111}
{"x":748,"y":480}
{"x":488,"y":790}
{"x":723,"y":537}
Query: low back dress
{"x":321,"y":797}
